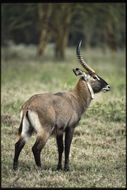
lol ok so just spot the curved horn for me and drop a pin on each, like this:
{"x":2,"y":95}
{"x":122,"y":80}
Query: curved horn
{"x":82,"y":62}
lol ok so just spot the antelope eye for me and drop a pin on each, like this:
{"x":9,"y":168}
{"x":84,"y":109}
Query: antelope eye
{"x":94,"y":77}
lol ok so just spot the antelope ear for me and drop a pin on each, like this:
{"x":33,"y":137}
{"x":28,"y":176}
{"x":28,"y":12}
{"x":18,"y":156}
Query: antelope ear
{"x":78,"y":72}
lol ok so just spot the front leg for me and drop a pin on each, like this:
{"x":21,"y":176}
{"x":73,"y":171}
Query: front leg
{"x":59,"y":140}
{"x":68,"y":139}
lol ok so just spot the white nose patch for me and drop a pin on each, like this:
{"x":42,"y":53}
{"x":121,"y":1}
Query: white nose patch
{"x":106,"y":88}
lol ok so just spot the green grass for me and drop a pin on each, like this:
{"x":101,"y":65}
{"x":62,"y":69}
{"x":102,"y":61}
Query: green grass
{"x":98,"y":150}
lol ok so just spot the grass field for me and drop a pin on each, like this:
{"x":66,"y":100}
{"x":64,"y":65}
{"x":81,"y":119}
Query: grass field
{"x":98,"y":150}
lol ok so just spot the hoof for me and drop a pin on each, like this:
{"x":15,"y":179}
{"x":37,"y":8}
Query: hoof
{"x":59,"y":167}
{"x":39,"y":167}
{"x":67,"y":169}
{"x":15,"y":166}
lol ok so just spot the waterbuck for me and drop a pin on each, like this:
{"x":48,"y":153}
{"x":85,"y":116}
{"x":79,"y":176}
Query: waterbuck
{"x":55,"y":114}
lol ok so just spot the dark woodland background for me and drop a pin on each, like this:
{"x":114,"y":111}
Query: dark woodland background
{"x":64,"y":24}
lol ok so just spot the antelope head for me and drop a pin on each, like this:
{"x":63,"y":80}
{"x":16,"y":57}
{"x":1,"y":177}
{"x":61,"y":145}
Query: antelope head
{"x":95,"y":82}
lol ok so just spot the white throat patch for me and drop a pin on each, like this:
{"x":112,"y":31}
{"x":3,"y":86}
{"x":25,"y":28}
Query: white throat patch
{"x":86,"y":78}
{"x":91,"y":90}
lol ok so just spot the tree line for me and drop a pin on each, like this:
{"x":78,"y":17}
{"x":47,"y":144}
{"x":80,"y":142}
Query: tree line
{"x":64,"y":24}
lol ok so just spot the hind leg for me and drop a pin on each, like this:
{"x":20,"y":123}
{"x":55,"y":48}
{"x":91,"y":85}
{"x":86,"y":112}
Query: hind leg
{"x":43,"y":133}
{"x":26,"y":132}
{"x":38,"y":146}
{"x":18,"y":147}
